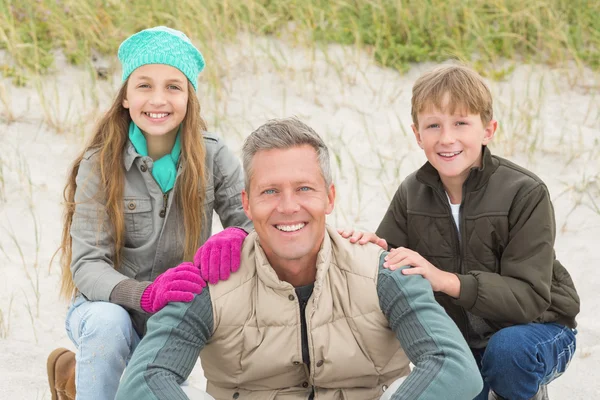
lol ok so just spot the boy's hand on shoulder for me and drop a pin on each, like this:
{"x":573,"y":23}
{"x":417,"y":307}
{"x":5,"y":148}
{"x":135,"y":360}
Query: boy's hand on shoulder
{"x":363,"y":237}
{"x":441,"y":281}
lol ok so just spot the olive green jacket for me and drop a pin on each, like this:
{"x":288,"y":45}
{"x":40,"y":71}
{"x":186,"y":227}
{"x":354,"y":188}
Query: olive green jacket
{"x":503,"y":252}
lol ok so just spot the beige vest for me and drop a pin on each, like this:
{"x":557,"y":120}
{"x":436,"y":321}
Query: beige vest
{"x":255,"y":352}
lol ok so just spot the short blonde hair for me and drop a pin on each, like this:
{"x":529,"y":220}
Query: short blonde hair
{"x":465,"y":88}
{"x":284,"y":133}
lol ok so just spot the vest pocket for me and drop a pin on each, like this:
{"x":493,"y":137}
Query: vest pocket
{"x":243,"y":394}
{"x":138,"y":219}
{"x":363,"y":393}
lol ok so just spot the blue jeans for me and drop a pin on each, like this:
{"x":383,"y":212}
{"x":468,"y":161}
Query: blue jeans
{"x":520,"y":358}
{"x":105,"y":339}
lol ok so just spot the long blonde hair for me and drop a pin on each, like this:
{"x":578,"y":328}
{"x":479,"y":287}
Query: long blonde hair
{"x":110,"y":138}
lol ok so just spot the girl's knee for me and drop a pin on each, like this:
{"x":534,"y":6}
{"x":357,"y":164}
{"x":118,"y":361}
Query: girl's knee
{"x":106,"y":319}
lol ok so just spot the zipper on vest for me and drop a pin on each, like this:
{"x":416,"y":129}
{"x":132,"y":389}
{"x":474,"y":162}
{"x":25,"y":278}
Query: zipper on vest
{"x":311,"y":354}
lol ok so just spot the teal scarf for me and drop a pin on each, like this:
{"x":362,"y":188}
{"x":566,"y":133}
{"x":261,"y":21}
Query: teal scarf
{"x":165,"y":168}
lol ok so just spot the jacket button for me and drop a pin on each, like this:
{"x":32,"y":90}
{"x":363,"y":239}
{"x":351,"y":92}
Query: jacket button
{"x":296,"y":363}
{"x":236,"y":395}
{"x":162,"y":213}
{"x":320,"y":363}
{"x":131,"y":205}
{"x":144,"y":168}
{"x":291,"y":297}
{"x":305,"y":385}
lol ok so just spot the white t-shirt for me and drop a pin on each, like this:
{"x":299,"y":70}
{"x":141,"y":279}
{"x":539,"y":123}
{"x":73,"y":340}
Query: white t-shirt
{"x":455,"y":213}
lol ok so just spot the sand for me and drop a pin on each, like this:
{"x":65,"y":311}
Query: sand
{"x":548,"y":123}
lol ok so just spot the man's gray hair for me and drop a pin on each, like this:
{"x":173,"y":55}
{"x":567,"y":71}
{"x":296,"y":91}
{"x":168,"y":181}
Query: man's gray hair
{"x":284,"y":134}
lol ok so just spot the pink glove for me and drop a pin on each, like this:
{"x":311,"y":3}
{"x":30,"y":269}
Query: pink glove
{"x":175,"y":284}
{"x":220,"y":255}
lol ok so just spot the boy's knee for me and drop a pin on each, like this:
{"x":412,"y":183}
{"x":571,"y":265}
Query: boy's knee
{"x":508,"y":350}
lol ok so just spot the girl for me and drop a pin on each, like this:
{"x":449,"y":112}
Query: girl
{"x":140,"y":199}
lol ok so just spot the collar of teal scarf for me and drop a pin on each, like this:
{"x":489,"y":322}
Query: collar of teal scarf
{"x":164,"y":170}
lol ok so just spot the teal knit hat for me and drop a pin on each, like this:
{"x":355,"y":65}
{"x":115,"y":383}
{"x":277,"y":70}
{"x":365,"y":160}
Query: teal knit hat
{"x":161,"y":45}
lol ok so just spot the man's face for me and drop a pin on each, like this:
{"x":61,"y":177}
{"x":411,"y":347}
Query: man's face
{"x":288,"y":201}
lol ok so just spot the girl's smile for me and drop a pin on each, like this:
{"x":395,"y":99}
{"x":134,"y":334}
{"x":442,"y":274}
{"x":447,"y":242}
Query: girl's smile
{"x":157,"y":99}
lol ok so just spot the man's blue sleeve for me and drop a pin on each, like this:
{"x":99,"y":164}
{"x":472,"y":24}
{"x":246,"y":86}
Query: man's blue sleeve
{"x":444,"y":367}
{"x":167,"y":354}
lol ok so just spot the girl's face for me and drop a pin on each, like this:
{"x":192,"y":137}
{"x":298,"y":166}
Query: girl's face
{"x":157,"y":97}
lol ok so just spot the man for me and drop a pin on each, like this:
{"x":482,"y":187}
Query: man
{"x":308,"y":315}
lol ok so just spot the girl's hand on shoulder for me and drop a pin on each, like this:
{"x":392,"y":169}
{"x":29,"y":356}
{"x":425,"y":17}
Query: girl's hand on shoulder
{"x":441,"y":281}
{"x":180,"y":283}
{"x":219,"y":256}
{"x":363,"y":237}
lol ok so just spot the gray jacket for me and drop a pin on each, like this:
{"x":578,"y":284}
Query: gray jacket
{"x":154,"y":230}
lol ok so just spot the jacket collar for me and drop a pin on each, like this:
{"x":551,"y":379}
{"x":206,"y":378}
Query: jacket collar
{"x":129,"y":155}
{"x":269,"y":277}
{"x":478,"y":177}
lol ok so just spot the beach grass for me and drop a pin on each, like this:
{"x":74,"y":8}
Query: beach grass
{"x":396,"y":33}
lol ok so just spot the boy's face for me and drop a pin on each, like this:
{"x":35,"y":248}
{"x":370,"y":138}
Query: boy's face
{"x":452,"y":143}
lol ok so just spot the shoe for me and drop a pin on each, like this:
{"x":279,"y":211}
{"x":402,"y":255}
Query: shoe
{"x":542,"y":394}
{"x":492,"y":396}
{"x":61,"y":374}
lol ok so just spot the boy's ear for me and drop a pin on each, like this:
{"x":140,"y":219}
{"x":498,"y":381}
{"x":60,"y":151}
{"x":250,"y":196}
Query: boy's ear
{"x":490,"y":129}
{"x":417,"y":135}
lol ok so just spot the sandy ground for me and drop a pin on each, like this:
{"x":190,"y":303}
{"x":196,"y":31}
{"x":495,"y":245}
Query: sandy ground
{"x":548,"y":117}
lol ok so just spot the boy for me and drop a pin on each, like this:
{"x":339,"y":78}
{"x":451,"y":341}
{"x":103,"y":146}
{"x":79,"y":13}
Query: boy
{"x":481,"y":230}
